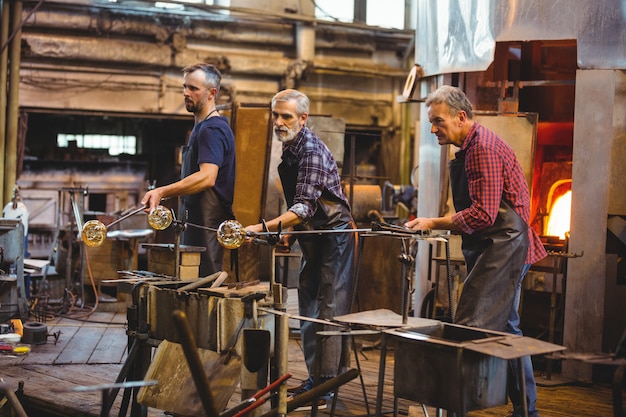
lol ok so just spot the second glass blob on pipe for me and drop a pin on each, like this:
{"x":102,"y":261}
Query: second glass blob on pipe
{"x":94,"y":232}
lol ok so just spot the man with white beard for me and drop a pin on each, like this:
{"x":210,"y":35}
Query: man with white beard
{"x":312,"y":189}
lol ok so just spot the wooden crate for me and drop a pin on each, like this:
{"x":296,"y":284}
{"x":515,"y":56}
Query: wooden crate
{"x":105,"y":260}
{"x":162,"y":260}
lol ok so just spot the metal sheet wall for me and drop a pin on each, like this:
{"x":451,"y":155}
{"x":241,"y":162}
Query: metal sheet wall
{"x":455,"y":36}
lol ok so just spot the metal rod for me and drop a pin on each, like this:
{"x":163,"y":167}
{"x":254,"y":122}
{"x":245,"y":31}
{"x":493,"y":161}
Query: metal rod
{"x":281,"y":312}
{"x":406,"y":284}
{"x":124,"y":217}
{"x":316,"y":391}
{"x":77,"y":215}
{"x":551,"y":324}
{"x":177,"y":255}
{"x":281,"y":325}
{"x":352,"y":167}
{"x":381,"y":375}
{"x":256,"y":400}
{"x":272,"y":266}
{"x":386,"y":230}
{"x":451,"y":309}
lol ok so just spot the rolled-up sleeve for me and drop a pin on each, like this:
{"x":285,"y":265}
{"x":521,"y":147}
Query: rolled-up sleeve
{"x":309,"y":186}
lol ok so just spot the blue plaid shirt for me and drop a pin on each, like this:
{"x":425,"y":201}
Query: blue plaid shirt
{"x":317,"y":171}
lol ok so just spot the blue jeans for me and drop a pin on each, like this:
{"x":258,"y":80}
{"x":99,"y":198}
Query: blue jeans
{"x":513,"y":386}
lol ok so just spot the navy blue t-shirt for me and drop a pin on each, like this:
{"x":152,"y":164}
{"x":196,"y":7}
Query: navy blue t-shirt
{"x":212,"y":141}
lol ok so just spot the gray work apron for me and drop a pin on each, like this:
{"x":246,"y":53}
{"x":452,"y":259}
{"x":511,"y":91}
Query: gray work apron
{"x":494,"y":257}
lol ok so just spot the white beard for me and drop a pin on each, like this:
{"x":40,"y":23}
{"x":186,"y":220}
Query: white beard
{"x":287,"y":134}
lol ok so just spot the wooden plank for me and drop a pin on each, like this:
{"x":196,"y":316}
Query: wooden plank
{"x":52,"y":385}
{"x":112,"y":347}
{"x":84,"y":341}
{"x":49,"y":352}
{"x":79,"y":349}
{"x":234,"y":292}
{"x":253,"y":142}
{"x":251,"y":126}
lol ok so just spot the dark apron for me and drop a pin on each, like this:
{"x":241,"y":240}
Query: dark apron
{"x":204,"y":209}
{"x":494,"y":257}
{"x":326,"y":276}
{"x":331,"y":212}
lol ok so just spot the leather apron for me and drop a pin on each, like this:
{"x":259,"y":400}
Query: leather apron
{"x":326,"y":276}
{"x":494,"y":257}
{"x":331,"y":212}
{"x":205,"y":209}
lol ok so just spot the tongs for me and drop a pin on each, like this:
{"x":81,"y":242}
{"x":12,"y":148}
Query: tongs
{"x":388,"y":227}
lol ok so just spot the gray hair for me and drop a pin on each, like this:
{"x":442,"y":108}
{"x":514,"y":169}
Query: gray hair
{"x":454,"y":97}
{"x":212,"y":74}
{"x":302,"y":101}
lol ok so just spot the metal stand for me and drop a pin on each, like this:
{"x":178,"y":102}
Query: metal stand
{"x":407,"y":260}
{"x":559,"y":263}
{"x":323,"y":335}
{"x":137,"y":361}
{"x":178,"y":229}
{"x":78,"y":221}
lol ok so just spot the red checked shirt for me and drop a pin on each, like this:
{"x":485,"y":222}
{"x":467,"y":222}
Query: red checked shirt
{"x":493,"y":173}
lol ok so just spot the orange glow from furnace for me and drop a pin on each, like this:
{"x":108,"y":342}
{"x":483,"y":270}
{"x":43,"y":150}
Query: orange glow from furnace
{"x":560,"y":214}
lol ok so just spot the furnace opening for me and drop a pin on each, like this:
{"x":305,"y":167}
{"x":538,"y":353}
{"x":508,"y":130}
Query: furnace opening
{"x":559,"y":221}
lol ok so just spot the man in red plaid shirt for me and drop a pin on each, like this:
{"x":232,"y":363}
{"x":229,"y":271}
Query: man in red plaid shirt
{"x":492,"y":203}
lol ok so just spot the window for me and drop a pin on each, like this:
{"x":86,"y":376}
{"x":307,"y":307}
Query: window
{"x":114,"y":143}
{"x":342,"y":11}
{"x":388,"y":13}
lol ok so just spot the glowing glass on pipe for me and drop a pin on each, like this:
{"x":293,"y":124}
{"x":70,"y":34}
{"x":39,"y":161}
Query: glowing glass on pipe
{"x":231,"y":234}
{"x":94,"y":232}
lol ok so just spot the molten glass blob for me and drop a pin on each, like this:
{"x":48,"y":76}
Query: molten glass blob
{"x":94,"y":233}
{"x":231,"y":234}
{"x":160,"y":218}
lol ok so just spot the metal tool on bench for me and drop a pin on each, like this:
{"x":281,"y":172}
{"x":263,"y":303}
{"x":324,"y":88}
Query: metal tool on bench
{"x":94,"y":232}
